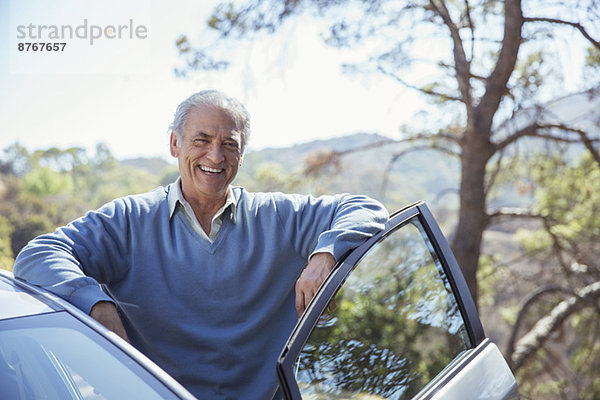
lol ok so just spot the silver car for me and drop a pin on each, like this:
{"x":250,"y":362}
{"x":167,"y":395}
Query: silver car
{"x":394,"y":320}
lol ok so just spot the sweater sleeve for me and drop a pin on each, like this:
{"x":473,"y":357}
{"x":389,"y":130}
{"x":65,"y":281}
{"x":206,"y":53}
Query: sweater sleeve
{"x":75,"y":259}
{"x":332,"y":224}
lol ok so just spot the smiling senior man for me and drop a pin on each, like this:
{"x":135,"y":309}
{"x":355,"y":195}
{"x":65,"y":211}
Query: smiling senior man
{"x":205,"y":278}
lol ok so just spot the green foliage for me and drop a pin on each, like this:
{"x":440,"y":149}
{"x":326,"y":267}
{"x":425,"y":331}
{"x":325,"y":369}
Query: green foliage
{"x":568,"y":197}
{"x":120,"y":181}
{"x":29,"y":227}
{"x":43,"y":181}
{"x":586,"y":356}
{"x":273,"y":176}
{"x":509,"y":314}
{"x":59,"y":160}
{"x":487,"y":279}
{"x":168,"y":176}
{"x":534,"y":241}
{"x":593,"y":57}
{"x":266,"y":176}
{"x":44,"y":189}
{"x":6,"y":253}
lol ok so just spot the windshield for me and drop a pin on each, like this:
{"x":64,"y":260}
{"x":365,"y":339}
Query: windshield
{"x":54,"y":356}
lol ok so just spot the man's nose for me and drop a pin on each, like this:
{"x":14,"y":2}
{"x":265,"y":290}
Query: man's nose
{"x":215,"y":154}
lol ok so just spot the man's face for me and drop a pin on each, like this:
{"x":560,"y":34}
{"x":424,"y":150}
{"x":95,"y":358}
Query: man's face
{"x":209,"y":154}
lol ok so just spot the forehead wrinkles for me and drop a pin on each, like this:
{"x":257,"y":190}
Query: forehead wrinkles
{"x":212,"y":120}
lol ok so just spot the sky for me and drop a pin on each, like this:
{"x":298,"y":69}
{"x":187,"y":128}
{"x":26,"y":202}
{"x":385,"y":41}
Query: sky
{"x":113,"y":82}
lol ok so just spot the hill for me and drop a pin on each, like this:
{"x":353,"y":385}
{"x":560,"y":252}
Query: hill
{"x":422,"y":175}
{"x":387,"y":172}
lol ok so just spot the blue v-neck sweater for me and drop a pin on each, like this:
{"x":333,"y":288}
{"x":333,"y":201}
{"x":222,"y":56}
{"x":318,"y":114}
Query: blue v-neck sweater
{"x":213,"y":315}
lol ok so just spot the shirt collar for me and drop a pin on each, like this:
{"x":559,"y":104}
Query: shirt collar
{"x":175,"y":196}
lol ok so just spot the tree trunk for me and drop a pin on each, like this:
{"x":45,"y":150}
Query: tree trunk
{"x":472,"y":215}
{"x":521,"y":351}
{"x":476,"y":145}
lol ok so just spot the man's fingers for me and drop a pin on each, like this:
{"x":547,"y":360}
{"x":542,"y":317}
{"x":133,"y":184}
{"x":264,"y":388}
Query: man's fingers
{"x":311,"y":279}
{"x":332,"y":306}
{"x":300,"y":303}
{"x":303,"y":297}
{"x":106,"y":313}
{"x":119,"y":329}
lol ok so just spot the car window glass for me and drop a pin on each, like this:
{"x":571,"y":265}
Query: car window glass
{"x":394,"y":326}
{"x":58,"y":361}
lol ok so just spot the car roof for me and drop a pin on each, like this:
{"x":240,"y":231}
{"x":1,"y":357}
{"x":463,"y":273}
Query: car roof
{"x":16,"y":301}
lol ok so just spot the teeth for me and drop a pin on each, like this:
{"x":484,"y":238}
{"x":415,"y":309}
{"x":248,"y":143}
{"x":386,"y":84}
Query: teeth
{"x":211,"y":170}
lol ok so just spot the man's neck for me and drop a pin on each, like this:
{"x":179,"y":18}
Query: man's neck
{"x":205,"y":208}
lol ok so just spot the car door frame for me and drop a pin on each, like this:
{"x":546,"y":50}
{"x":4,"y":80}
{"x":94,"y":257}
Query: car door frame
{"x":299,"y":336}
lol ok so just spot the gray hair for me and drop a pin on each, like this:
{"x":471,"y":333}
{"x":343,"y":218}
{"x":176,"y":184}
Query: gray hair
{"x":212,"y":98}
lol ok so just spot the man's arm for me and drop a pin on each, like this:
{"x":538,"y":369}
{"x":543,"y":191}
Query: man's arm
{"x":329,"y":227}
{"x":73,"y":260}
{"x":48,"y":262}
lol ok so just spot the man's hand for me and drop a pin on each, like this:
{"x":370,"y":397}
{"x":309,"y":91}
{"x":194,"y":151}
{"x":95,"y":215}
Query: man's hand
{"x":106,"y":313}
{"x":311,"y":279}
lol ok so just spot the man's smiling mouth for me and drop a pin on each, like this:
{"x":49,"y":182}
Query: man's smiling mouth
{"x":210,"y":171}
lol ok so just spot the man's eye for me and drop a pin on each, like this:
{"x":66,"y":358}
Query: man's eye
{"x":232,"y":145}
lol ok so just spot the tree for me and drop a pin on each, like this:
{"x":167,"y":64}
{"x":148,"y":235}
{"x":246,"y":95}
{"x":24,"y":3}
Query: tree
{"x":45,"y":181}
{"x":6,"y":254}
{"x":566,"y":245}
{"x":490,"y":81}
{"x":43,"y":189}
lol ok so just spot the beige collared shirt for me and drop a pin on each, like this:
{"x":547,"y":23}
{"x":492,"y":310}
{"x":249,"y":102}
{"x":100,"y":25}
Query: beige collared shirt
{"x":178,"y":202}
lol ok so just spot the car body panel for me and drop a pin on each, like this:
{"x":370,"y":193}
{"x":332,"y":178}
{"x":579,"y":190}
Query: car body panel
{"x":17,"y":303}
{"x":483,"y":375}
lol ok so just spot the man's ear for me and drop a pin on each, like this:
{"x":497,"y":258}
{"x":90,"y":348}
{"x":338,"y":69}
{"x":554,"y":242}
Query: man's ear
{"x":173,"y":145}
{"x":241,"y":160}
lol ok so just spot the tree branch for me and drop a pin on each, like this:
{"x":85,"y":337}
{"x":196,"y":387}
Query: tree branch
{"x":397,"y":156}
{"x":369,"y":146}
{"x":575,"y":25}
{"x":494,"y":173}
{"x":496,"y":83}
{"x":414,"y":138}
{"x":525,"y":213}
{"x":320,"y":159}
{"x":512,"y":212}
{"x":428,"y":92}
{"x":471,"y":26}
{"x":529,"y":130}
{"x":533,"y":340}
{"x":533,"y":130}
{"x":588,"y":143}
{"x":527,"y":303}
{"x":461,"y":64}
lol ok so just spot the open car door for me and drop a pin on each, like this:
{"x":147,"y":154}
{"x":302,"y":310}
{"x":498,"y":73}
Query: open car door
{"x":395,"y":320}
